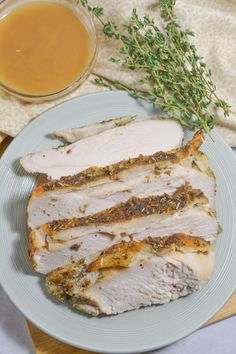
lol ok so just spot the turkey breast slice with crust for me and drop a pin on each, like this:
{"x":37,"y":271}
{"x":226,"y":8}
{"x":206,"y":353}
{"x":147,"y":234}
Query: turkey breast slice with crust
{"x":97,"y":189}
{"x":135,"y":274}
{"x":111,"y":146}
{"x":59,"y":243}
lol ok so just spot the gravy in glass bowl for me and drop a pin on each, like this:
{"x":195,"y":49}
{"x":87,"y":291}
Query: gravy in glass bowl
{"x":45,"y":48}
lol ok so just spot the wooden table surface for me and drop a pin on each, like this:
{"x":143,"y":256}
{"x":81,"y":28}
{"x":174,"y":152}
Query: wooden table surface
{"x":45,"y":344}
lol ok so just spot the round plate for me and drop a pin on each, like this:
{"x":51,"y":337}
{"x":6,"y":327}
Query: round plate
{"x":134,"y":331}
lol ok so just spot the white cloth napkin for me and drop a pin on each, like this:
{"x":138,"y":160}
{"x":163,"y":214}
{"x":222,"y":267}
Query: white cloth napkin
{"x":214,"y":339}
{"x":14,"y":335}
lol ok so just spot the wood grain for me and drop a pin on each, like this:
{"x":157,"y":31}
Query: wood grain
{"x":44,"y":344}
{"x":4,"y":144}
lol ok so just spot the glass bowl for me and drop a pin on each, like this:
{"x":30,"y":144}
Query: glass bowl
{"x":8,"y":5}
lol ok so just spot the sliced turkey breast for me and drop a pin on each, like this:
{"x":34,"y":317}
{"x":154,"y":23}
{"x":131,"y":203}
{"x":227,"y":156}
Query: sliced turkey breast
{"x":133,"y":275}
{"x":113,"y":145}
{"x":75,"y":134}
{"x":61,"y":242}
{"x":97,"y":189}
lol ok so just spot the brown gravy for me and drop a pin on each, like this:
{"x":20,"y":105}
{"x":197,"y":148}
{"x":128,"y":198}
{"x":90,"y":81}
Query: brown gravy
{"x":44,"y":47}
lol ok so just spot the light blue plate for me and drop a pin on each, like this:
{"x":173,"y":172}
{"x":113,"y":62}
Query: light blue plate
{"x":131,"y":332}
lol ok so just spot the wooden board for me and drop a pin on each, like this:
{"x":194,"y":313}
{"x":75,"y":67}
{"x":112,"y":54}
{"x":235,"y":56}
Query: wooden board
{"x":45,"y":344}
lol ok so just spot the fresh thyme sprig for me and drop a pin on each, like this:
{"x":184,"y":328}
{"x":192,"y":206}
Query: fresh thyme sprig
{"x":176,"y":76}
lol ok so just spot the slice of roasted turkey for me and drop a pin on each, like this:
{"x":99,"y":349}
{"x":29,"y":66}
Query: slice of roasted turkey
{"x":61,"y":242}
{"x":135,"y":274}
{"x":97,"y":189}
{"x":111,"y":146}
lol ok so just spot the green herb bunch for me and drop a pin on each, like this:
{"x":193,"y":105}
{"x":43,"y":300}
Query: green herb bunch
{"x":176,"y":76}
